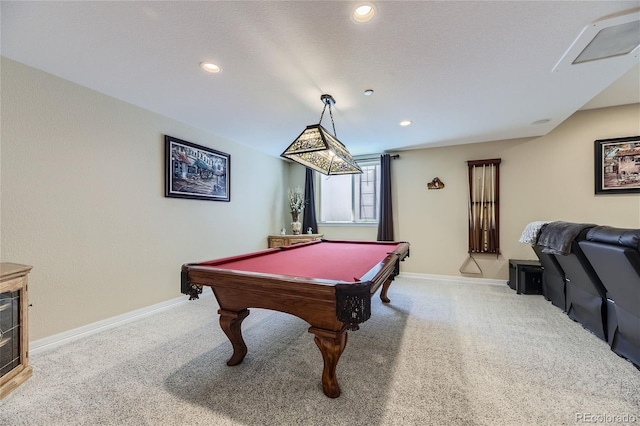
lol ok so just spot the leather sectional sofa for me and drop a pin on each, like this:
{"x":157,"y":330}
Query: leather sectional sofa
{"x":593,"y":274}
{"x":615,"y":256}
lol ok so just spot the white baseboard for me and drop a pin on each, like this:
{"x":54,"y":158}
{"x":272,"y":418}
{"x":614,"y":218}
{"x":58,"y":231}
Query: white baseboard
{"x":51,"y":342}
{"x":454,"y":278}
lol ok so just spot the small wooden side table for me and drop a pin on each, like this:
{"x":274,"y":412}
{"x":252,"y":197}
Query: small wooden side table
{"x":287,"y":240}
{"x":14,"y":329}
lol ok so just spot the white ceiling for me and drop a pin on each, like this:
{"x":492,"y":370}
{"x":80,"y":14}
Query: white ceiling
{"x":462,"y":71}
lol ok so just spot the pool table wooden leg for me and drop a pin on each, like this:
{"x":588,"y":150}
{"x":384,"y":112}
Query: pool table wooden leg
{"x":231,"y":322}
{"x":331,"y":345}
{"x":385,"y":288}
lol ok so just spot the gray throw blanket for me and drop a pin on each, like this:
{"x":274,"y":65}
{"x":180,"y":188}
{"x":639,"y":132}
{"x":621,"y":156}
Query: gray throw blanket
{"x":556,"y":237}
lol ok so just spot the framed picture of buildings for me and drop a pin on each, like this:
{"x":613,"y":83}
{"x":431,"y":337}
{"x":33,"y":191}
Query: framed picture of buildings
{"x":617,"y":164}
{"x":196,"y":172}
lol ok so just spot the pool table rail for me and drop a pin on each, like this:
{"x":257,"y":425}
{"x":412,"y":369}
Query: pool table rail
{"x":311,"y":300}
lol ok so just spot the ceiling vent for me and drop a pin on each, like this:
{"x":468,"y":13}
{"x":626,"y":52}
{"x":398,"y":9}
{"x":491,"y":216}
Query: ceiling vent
{"x":613,"y":38}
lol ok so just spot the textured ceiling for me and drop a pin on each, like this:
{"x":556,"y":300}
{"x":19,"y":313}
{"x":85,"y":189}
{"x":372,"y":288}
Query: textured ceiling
{"x":463,"y":72}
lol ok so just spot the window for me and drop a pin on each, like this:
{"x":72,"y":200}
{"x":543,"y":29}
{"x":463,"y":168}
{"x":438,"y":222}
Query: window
{"x":351,"y":198}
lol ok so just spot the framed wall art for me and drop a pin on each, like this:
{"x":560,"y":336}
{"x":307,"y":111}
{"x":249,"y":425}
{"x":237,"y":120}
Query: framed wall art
{"x":196,"y":172}
{"x":617,"y":165}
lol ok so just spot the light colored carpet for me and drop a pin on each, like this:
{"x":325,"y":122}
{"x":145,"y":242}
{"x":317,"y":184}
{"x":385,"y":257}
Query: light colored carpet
{"x":454,"y":353}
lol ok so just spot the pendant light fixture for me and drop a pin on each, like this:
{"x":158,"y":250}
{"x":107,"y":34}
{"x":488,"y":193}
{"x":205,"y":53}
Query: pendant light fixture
{"x":321,"y":151}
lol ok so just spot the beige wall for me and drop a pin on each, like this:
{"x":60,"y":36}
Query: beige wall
{"x":82,"y":200}
{"x":545,"y":178}
{"x":82,"y":181}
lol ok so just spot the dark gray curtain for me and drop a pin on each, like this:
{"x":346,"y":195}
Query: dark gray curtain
{"x":385,"y":224}
{"x":309,"y":218}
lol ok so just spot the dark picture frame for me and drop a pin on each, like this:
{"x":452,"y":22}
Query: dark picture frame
{"x":196,"y":172}
{"x":617,"y":165}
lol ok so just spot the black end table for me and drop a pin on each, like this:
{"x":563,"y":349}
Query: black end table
{"x":525,"y":276}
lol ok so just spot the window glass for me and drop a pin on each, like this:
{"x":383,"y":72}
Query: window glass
{"x":351,"y":198}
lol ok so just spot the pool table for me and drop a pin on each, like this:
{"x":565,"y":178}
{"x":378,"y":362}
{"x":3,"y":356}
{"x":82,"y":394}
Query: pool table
{"x":329,"y":284}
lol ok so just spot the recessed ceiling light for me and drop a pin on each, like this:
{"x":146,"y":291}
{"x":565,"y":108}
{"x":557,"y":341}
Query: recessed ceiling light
{"x":543,"y":121}
{"x":209,"y":67}
{"x":405,"y":122}
{"x":368,"y":92}
{"x":363,"y":13}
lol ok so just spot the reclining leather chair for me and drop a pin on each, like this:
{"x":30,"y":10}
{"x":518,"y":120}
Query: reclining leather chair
{"x":553,"y":279}
{"x":585,"y":293}
{"x":615,"y":256}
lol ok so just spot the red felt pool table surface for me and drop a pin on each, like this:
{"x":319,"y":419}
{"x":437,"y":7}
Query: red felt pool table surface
{"x":329,"y":260}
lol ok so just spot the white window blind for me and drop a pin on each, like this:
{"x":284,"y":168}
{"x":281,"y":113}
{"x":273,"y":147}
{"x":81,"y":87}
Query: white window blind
{"x":351,"y":198}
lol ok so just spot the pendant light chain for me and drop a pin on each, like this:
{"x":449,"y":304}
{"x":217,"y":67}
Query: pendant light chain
{"x":323,"y":110}
{"x":333,"y":124}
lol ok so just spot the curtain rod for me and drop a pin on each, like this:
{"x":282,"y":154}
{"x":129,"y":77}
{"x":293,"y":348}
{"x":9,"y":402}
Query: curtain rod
{"x":374,"y":157}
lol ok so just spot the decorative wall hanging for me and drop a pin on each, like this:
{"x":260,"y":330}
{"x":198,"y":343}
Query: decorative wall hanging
{"x":484,"y":212}
{"x":617,"y":165}
{"x":196,"y":172}
{"x":436,"y":183}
